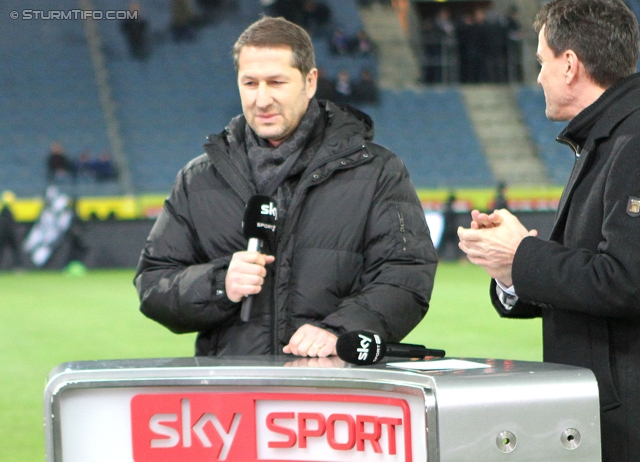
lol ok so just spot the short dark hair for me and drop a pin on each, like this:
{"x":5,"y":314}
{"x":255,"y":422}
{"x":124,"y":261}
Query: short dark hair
{"x":277,"y":32}
{"x":602,"y":33}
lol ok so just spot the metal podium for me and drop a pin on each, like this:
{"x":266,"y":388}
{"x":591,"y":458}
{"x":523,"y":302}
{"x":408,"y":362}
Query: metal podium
{"x":279,"y":409}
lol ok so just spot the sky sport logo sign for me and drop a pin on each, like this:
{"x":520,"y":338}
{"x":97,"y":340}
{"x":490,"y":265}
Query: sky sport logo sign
{"x":242,"y":427}
{"x":62,"y":15}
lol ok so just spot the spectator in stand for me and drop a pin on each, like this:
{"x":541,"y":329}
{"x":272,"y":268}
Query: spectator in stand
{"x":481,"y":38}
{"x":467,"y":48}
{"x":512,"y":23}
{"x":444,"y":23}
{"x":339,"y":43}
{"x":482,"y":48}
{"x":361,"y":44}
{"x":182,"y":21}
{"x":60,"y":169}
{"x":291,"y":10}
{"x":514,"y":45}
{"x":8,"y":235}
{"x":344,"y":88}
{"x":326,"y":87}
{"x":495,"y":52}
{"x":432,"y":49}
{"x":365,"y":90}
{"x":209,"y":10}
{"x":316,"y":17}
{"x":84,"y":167}
{"x":104,"y":169}
{"x":135,"y":30}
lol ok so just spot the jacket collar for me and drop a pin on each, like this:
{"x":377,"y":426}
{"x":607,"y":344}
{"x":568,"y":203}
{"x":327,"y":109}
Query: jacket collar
{"x":346,"y":129}
{"x":598,"y":120}
{"x":595,"y":122}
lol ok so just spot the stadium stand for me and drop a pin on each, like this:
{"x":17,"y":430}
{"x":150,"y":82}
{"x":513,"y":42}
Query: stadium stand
{"x":558,"y":158}
{"x":47,"y":93}
{"x":432,"y":133}
{"x":168,"y":103}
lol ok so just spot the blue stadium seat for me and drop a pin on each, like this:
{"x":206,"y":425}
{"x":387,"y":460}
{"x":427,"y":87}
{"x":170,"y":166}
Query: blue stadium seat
{"x":432,"y":133}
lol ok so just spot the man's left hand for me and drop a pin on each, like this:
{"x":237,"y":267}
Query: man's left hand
{"x":494,"y":248}
{"x":312,"y":341}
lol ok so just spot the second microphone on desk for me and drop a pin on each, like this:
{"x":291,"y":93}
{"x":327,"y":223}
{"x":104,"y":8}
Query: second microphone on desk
{"x":363,"y":347}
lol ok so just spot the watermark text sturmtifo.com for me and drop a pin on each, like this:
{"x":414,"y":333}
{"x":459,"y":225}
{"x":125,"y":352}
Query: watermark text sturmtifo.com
{"x":72,"y":14}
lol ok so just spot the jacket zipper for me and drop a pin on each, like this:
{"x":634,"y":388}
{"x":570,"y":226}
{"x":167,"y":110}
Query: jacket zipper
{"x":401,"y":220}
{"x":569,"y":143}
{"x":274,"y":318}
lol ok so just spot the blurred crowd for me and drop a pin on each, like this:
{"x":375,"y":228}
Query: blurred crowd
{"x":63,"y":169}
{"x":314,"y":16}
{"x":476,"y":46}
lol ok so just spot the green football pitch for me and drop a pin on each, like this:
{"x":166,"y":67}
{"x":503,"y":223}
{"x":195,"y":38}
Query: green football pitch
{"x":48,"y":318}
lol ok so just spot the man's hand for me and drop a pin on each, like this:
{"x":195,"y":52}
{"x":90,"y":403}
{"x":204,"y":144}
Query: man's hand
{"x":492,"y":241}
{"x":312,"y":341}
{"x":246,"y":274}
{"x":481,"y":220}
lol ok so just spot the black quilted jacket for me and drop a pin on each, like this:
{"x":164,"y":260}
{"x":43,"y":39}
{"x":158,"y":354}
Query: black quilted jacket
{"x":354,"y":251}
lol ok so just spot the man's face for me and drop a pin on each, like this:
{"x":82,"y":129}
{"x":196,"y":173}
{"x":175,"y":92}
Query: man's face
{"x":552,"y":80}
{"x":274,"y":94}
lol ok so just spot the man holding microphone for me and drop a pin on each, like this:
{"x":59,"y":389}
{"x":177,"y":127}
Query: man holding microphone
{"x":351,"y":248}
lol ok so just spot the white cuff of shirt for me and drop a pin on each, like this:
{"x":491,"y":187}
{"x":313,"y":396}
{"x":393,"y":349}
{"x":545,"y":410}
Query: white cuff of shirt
{"x":509,"y":290}
{"x":506,"y":295}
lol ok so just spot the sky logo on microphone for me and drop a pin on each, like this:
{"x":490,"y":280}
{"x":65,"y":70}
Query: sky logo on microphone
{"x":365,"y":344}
{"x":269,"y":209}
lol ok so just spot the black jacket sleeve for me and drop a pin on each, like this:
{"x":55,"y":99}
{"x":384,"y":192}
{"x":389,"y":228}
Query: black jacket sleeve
{"x":177,"y":284}
{"x":603,"y":280}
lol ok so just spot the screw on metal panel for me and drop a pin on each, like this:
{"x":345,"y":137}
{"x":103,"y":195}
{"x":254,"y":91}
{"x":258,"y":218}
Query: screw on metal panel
{"x":506,"y":441}
{"x":570,"y":438}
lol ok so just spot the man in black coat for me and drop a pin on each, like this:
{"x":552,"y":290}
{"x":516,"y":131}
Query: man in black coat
{"x":352,"y":248}
{"x":584,"y":281}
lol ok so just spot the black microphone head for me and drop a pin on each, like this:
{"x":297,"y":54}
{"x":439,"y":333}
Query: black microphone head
{"x":260,"y":217}
{"x":361,"y":347}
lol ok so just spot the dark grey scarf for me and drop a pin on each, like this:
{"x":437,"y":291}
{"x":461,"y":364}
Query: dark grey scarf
{"x":275,"y":170}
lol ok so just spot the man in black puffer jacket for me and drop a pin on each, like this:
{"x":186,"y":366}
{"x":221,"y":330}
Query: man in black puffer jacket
{"x":352,"y":248}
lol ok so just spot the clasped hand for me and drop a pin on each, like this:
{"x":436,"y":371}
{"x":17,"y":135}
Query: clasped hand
{"x":491,"y":241}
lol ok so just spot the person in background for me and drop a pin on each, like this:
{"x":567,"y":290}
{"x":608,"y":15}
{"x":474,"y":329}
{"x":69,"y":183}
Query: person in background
{"x":325,"y":86}
{"x":500,"y":199}
{"x":135,"y":30}
{"x":182,"y":21}
{"x":60,"y":168}
{"x":585,"y":281}
{"x":365,"y":90}
{"x":104,"y":168}
{"x":8,"y":233}
{"x":344,"y":88}
{"x":448,"y":248}
{"x":339,"y":44}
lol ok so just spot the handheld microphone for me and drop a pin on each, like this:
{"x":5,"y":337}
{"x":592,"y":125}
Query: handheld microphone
{"x":364,"y":347}
{"x":258,"y":226}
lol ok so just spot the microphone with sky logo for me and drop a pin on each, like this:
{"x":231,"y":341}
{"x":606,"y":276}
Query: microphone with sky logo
{"x":364,"y":347}
{"x":258,"y":226}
